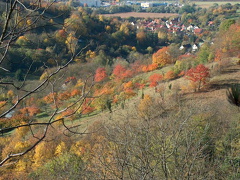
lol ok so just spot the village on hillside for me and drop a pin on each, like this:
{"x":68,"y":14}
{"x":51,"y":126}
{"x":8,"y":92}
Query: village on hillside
{"x":173,"y":26}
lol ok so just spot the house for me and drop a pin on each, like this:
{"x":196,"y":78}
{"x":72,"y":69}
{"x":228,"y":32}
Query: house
{"x":168,"y":25}
{"x":210,"y":23}
{"x":185,"y":47}
{"x":190,"y":28}
{"x":183,"y":27}
{"x":181,"y":47}
{"x":152,"y":4}
{"x":198,"y":31}
{"x":194,"y":47}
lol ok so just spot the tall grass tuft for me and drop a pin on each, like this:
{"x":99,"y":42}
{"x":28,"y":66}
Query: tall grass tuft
{"x":233,"y":94}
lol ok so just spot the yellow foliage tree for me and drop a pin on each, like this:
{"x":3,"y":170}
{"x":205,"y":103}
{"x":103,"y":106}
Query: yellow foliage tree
{"x":60,"y":149}
{"x":71,"y":43}
{"x":43,"y":152}
{"x":19,"y":146}
{"x":51,"y":21}
{"x":101,"y":18}
{"x":162,"y":35}
{"x":43,"y":76}
{"x":39,"y":154}
{"x":79,"y":83}
{"x":81,"y":148}
{"x":21,"y":132}
{"x":22,"y":41}
{"x":162,"y":57}
{"x":125,"y":28}
{"x":90,"y":54}
{"x":10,"y":94}
{"x":108,"y":28}
{"x":29,"y":22}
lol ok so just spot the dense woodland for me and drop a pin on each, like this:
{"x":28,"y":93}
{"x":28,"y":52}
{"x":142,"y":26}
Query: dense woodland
{"x":84,"y":96}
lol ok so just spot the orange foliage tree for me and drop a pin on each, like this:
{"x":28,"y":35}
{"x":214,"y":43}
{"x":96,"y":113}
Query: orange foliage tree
{"x":17,"y":119}
{"x":198,"y":75}
{"x":218,"y":55}
{"x":162,"y":57}
{"x":128,"y":89}
{"x":149,"y":67}
{"x":66,"y":114}
{"x":107,"y":89}
{"x":50,"y":98}
{"x":75,"y":92}
{"x":30,"y":111}
{"x":152,"y":67}
{"x":2,"y":103}
{"x":64,"y":96}
{"x":169,"y":75}
{"x":128,"y":85}
{"x":61,"y":35}
{"x":145,"y":68}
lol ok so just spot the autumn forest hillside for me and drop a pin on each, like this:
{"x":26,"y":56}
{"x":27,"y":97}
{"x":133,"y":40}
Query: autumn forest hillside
{"x":89,"y":96}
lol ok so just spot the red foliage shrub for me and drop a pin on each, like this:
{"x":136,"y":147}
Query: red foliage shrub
{"x":182,"y":73}
{"x":100,"y":74}
{"x":120,"y":72}
{"x":199,"y":75}
{"x":72,"y":78}
{"x":140,"y":85}
{"x":154,"y":79}
{"x":87,"y":110}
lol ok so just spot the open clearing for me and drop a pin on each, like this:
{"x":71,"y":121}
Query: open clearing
{"x":141,"y":15}
{"x":207,"y":4}
{"x":213,"y":95}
